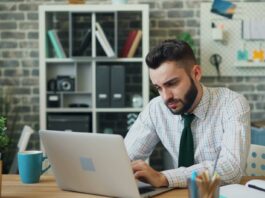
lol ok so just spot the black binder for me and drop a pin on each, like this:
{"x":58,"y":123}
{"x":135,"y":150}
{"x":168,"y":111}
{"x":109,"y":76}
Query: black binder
{"x":103,"y":86}
{"x":117,"y":86}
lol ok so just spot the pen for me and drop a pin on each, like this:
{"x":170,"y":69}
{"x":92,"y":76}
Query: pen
{"x":194,"y":189}
{"x":256,"y":187}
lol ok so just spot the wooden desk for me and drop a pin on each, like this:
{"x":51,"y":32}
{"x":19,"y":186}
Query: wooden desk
{"x":13,"y":188}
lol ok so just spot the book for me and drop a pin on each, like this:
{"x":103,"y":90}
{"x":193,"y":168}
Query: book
{"x":84,"y":44}
{"x":104,"y":41}
{"x":56,"y":43}
{"x":128,"y":43}
{"x":135,"y":44}
{"x":238,"y":191}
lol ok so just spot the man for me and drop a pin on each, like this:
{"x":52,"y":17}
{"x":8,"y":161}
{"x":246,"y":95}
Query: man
{"x":216,"y":119}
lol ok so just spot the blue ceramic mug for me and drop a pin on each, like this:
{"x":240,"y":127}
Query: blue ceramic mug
{"x":30,"y":166}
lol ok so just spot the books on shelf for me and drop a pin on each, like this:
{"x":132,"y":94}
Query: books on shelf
{"x":131,"y":43}
{"x":56,"y":43}
{"x":84,"y":44}
{"x":104,"y":41}
{"x":135,"y":44}
{"x":128,"y":43}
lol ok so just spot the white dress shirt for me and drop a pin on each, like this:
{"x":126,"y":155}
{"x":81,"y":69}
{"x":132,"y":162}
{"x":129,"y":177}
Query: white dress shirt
{"x":222,"y":121}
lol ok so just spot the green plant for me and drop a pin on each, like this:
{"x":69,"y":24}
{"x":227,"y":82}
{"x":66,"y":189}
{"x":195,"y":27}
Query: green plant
{"x":4,"y":140}
{"x":8,"y":109}
{"x":8,"y":125}
{"x":185,"y":36}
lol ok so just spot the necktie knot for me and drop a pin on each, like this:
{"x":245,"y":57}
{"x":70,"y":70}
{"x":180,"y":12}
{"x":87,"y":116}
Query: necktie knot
{"x":188,"y":118}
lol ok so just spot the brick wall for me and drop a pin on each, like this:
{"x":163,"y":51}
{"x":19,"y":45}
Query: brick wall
{"x":19,"y":67}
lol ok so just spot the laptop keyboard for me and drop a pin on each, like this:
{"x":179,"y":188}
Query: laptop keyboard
{"x":146,"y":189}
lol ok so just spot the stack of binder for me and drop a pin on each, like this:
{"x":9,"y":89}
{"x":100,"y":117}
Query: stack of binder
{"x":110,"y":86}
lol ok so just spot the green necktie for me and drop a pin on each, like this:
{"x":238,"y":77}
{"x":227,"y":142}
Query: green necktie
{"x":186,"y":148}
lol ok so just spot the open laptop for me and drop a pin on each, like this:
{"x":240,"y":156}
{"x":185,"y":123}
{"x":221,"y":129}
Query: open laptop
{"x":93,"y":163}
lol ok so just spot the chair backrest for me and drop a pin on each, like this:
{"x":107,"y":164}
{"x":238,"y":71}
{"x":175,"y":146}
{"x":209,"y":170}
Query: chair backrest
{"x":24,"y":138}
{"x":258,"y":136}
{"x":21,"y":146}
{"x":256,"y":161}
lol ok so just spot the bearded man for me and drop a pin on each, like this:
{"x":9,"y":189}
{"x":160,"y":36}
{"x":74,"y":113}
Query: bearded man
{"x":195,"y":123}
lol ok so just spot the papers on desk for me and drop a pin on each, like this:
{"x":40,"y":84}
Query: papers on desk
{"x":239,"y":191}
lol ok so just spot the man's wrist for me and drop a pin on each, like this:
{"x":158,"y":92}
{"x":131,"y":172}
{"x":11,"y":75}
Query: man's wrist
{"x":163,"y":180}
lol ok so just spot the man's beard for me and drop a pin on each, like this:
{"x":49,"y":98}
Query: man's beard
{"x":189,"y":99}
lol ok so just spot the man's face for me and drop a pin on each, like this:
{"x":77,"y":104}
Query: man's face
{"x":175,"y":86}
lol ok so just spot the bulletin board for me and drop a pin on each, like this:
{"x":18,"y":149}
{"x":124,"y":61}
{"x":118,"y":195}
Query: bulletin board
{"x":232,"y":41}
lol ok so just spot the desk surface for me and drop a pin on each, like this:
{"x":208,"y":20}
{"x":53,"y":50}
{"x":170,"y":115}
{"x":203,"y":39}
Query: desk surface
{"x":13,"y":188}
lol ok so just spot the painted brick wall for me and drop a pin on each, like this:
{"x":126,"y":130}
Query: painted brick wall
{"x":19,"y":67}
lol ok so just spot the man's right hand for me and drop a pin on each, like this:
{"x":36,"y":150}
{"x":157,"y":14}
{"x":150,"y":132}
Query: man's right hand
{"x":143,"y":172}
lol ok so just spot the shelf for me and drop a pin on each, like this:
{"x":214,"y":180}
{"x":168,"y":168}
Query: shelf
{"x":129,"y":76}
{"x":243,"y":64}
{"x":97,"y":110}
{"x":76,"y":92}
{"x":95,"y":8}
{"x":58,"y":110}
{"x":118,"y":110}
{"x":68,"y":92}
{"x":90,"y":59}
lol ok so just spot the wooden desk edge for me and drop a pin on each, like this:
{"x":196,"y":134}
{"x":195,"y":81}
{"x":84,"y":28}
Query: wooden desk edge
{"x":12,"y":187}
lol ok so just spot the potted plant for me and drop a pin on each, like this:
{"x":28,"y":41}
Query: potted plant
{"x":8,"y":125}
{"x":4,"y":141}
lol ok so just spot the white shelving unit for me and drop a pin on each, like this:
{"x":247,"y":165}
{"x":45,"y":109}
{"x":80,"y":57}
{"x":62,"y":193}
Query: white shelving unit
{"x":70,"y":20}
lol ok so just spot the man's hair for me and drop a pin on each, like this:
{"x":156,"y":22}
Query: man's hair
{"x":171,"y":50}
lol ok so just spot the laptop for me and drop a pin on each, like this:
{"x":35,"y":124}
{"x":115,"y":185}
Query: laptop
{"x":93,"y":163}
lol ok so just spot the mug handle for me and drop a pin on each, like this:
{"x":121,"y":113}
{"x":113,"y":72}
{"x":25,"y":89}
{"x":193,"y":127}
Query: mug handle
{"x":47,"y":168}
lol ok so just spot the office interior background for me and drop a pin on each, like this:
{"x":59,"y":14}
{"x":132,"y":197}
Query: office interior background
{"x":19,"y":57}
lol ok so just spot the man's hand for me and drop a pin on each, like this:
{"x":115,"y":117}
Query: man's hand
{"x":143,"y":172}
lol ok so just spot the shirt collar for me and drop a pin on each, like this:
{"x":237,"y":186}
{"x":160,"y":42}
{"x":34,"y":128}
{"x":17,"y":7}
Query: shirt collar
{"x":201,"y":110}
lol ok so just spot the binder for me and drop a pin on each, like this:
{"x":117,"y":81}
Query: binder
{"x":103,"y":86}
{"x":117,"y":86}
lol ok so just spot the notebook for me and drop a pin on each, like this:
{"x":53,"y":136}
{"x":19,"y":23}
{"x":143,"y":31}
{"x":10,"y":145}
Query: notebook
{"x":240,"y":191}
{"x":93,"y":163}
